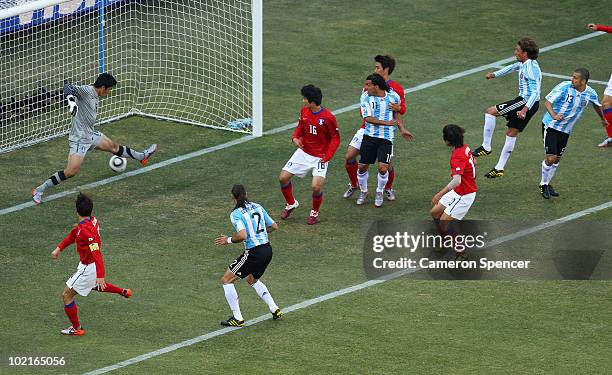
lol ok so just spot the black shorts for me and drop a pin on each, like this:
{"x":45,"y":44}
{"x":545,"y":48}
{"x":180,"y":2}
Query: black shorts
{"x":375,"y":148}
{"x":555,"y":141}
{"x":252,"y":262}
{"x":508,"y":110}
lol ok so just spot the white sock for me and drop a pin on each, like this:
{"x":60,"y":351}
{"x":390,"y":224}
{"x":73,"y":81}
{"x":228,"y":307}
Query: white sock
{"x":232,"y":300}
{"x":505,"y":154}
{"x":363,"y":181}
{"x":382,"y":181}
{"x":487,"y":133}
{"x":545,"y":173}
{"x":265,"y":295}
{"x":553,"y":170}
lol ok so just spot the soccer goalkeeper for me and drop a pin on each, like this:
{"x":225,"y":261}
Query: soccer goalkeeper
{"x":83,"y":104}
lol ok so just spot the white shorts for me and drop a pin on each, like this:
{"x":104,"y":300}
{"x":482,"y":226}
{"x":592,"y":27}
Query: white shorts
{"x":608,"y":90}
{"x":302,"y":163}
{"x":457,"y":205}
{"x":357,"y":138}
{"x":79,"y":148}
{"x":84,"y":279}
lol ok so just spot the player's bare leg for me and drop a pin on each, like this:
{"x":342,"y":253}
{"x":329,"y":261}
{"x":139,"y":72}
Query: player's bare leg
{"x":491,"y":115}
{"x":287,"y":189}
{"x":231,"y":295}
{"x":264,"y":294}
{"x":106,"y":144}
{"x":317,"y":199}
{"x":351,"y":166}
{"x":362,"y":177}
{"x":382,"y":178}
{"x":72,"y":312}
{"x":72,"y":169}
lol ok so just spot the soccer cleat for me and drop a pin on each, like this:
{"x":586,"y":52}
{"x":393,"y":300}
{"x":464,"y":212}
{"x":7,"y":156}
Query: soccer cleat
{"x":544,"y":190}
{"x":232,"y":322}
{"x":37,"y":196}
{"x":127,"y":293}
{"x":277,"y":314}
{"x":378,"y":200}
{"x":362,"y":197}
{"x":480,"y":151}
{"x":349,"y":192}
{"x":552,"y":191}
{"x":71,"y":331}
{"x":313,"y":218}
{"x":494,"y":173}
{"x":606,"y":143}
{"x":289,"y":209}
{"x":390,"y":193}
{"x":148,"y":153}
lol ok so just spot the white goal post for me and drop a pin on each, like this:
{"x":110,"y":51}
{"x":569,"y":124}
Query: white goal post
{"x":197,"y":62}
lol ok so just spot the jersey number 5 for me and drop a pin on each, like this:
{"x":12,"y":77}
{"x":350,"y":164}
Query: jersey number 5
{"x":258,"y":216}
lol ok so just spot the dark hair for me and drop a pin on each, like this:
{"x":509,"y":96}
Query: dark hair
{"x":453,"y":134}
{"x":386,"y":61}
{"x":378,"y":80}
{"x":105,"y":80}
{"x":584,"y":73}
{"x":239,"y":192}
{"x":84,"y":205}
{"x":530,"y":46}
{"x":313,"y":94}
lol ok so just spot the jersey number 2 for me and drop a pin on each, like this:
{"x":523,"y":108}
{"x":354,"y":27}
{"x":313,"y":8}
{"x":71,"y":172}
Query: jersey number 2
{"x":259,"y":229}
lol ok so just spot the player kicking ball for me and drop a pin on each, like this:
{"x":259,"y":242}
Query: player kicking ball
{"x":90,"y":272}
{"x":377,"y":144}
{"x":317,"y":140}
{"x":454,"y":200}
{"x":565,"y":104}
{"x":252,"y":224}
{"x":83,"y":104}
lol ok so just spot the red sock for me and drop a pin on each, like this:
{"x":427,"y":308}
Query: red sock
{"x":317,"y":199}
{"x":73,"y":314}
{"x":110,"y":288}
{"x":351,"y":170}
{"x":391,"y":178}
{"x":608,"y":115}
{"x":287,"y":191}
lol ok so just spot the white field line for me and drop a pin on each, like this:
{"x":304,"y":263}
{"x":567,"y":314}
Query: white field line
{"x":238,"y":141}
{"x":341,"y":292}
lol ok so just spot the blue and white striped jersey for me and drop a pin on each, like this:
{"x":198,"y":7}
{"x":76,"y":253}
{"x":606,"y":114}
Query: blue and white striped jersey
{"x":529,"y":79}
{"x":254,"y":219}
{"x":570,"y":103}
{"x":378,"y":107}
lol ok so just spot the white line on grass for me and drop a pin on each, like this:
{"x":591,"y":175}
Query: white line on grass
{"x":341,"y":292}
{"x":238,"y":141}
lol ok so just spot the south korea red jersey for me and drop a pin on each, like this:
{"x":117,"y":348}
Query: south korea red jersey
{"x":400,"y":91}
{"x":87,"y":237}
{"x":319,"y":133}
{"x":462,"y":163}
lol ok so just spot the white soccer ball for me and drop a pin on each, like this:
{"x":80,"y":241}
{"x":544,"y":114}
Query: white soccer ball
{"x":117,"y":164}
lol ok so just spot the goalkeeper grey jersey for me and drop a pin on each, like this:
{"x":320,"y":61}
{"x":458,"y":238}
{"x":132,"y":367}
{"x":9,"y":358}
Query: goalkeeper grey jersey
{"x":83,"y":123}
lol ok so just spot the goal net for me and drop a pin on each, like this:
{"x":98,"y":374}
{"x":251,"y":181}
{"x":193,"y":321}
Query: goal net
{"x":191,"y":61}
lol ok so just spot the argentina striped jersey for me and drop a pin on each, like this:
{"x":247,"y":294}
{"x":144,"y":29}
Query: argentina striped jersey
{"x":529,"y":79}
{"x":570,"y":103}
{"x":254,"y":219}
{"x":83,"y":123}
{"x":378,"y":107}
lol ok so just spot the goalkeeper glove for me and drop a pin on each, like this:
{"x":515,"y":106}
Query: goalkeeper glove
{"x":72,"y":105}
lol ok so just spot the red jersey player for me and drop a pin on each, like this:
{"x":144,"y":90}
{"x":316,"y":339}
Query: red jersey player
{"x":317,"y":139}
{"x":90,"y":272}
{"x":606,"y":102}
{"x":384,"y":66}
{"x":456,"y":198}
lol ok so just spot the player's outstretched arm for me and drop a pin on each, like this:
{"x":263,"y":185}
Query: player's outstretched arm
{"x":272,"y":227}
{"x":600,"y":113}
{"x":237,"y":237}
{"x":55,"y":253}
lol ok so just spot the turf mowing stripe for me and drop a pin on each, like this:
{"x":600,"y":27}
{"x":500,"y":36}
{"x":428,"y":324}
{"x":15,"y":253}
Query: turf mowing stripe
{"x":238,"y":141}
{"x":341,"y":292}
